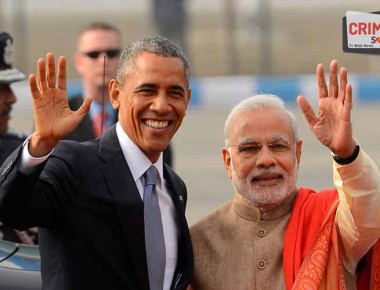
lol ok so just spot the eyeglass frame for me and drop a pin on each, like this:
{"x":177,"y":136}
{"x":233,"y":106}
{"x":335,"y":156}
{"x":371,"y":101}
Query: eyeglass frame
{"x":271,"y":144}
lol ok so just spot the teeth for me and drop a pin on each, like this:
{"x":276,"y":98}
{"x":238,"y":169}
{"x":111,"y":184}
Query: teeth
{"x":157,"y":124}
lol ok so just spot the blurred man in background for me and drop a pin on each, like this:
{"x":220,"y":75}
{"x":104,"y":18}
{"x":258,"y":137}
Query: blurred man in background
{"x":10,"y":141}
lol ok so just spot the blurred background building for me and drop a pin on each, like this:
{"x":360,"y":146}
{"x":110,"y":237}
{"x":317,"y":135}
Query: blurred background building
{"x":222,"y":37}
{"x":236,"y":48}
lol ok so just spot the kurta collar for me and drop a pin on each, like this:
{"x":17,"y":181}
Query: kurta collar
{"x":248,"y":211}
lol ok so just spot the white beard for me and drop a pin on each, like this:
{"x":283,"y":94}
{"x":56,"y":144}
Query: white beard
{"x":265,"y":197}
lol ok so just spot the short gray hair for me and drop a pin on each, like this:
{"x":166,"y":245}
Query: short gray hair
{"x":155,"y":44}
{"x":257,"y":103}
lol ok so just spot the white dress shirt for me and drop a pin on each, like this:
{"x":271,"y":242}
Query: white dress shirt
{"x":138,"y":164}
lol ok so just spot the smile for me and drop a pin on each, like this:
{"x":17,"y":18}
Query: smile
{"x":157,"y":124}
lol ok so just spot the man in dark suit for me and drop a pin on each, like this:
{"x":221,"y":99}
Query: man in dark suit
{"x":10,"y":141}
{"x":95,"y":41}
{"x":87,"y":198}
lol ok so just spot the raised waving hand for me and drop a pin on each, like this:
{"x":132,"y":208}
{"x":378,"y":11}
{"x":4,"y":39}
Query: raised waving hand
{"x":52,"y":116}
{"x":332,"y":126}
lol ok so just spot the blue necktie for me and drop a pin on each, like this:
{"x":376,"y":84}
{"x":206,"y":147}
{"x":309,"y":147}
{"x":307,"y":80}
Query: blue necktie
{"x":154,"y":235}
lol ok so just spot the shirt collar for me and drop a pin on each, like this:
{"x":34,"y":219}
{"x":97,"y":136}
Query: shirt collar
{"x":137,"y":161}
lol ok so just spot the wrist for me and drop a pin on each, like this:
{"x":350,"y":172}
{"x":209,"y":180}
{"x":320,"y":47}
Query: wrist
{"x":349,"y":159}
{"x":39,"y":147}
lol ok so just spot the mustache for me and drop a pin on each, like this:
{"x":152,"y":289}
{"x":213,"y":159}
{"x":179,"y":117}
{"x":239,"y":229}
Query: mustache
{"x":266,"y":171}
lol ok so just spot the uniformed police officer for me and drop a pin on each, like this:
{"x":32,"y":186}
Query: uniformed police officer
{"x":9,"y":141}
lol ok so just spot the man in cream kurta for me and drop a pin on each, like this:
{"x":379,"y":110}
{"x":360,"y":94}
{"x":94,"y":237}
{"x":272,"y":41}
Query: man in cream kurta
{"x":240,"y":245}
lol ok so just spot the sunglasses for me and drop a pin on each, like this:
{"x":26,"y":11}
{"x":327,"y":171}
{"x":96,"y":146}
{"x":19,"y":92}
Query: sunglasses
{"x":110,"y":53}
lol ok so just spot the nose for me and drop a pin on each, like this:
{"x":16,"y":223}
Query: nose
{"x":102,"y":58}
{"x":160,"y":104}
{"x":9,"y":96}
{"x":265,"y":157}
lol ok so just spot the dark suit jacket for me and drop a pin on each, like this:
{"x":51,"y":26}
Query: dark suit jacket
{"x":90,"y":214}
{"x":85,"y":131}
{"x":8,"y":143}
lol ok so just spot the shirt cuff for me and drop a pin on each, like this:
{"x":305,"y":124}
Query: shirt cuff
{"x":28,"y":162}
{"x":359,"y":178}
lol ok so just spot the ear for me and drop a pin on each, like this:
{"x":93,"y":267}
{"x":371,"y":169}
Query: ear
{"x":227,"y":161}
{"x":188,"y":97}
{"x":298,"y":151}
{"x":114,"y":93}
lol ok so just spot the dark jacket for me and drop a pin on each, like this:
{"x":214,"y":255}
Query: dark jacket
{"x":90,"y":216}
{"x":8,"y":143}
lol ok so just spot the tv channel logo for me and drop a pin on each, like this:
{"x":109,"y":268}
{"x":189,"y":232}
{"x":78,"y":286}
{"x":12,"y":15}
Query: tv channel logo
{"x":361,"y":32}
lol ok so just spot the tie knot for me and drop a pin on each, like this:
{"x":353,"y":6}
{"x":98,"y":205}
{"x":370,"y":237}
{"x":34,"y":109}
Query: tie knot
{"x":151,"y":175}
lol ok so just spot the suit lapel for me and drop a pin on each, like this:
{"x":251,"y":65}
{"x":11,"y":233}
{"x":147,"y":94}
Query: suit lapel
{"x":177,"y":191}
{"x":127,"y":199}
{"x":130,"y":209}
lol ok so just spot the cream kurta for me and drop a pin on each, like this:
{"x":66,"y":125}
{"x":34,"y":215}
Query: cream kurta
{"x":237,"y":247}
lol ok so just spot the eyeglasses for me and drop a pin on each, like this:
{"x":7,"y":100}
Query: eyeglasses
{"x":110,"y":53}
{"x":252,"y":147}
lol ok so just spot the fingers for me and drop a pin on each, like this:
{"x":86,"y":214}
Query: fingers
{"x":46,"y":72}
{"x":348,"y":97}
{"x":62,"y":73}
{"x":83,"y":110}
{"x":337,"y":88}
{"x":33,"y":86}
{"x":333,"y":86}
{"x":41,"y":74}
{"x":307,"y":111}
{"x":343,"y":84}
{"x":322,"y":87}
{"x":50,"y":75}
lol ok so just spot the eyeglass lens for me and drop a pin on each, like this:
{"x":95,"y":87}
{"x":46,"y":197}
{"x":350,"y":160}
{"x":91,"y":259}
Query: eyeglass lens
{"x":111,"y":53}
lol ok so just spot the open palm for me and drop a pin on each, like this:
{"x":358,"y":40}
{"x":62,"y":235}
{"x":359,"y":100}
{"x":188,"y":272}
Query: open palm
{"x":332,"y":126}
{"x":53,"y":117}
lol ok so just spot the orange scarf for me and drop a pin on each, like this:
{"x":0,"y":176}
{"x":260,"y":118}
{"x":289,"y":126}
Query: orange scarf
{"x":311,"y":256}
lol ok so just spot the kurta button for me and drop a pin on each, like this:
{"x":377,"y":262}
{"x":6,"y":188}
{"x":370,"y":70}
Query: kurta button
{"x":261,"y":264}
{"x":261,"y":232}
